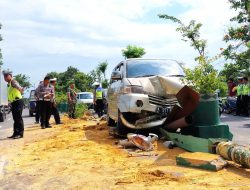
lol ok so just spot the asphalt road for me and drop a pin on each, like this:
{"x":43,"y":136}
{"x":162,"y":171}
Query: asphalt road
{"x":239,"y":126}
{"x":8,"y":123}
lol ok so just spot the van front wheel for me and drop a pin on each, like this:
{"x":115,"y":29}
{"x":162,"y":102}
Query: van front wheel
{"x":122,"y":130}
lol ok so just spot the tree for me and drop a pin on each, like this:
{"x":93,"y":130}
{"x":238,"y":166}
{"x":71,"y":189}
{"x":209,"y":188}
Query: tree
{"x":203,"y":77}
{"x":103,"y":67}
{"x":23,"y":80}
{"x":99,"y":74}
{"x":133,"y":52}
{"x":238,"y":39}
{"x":105,"y":83}
{"x":83,"y":81}
{"x":1,"y":60}
{"x":53,"y":74}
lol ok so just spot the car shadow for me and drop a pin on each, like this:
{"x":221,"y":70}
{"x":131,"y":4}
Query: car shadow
{"x":246,"y":126}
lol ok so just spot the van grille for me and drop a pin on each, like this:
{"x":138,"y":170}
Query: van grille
{"x":159,"y":101}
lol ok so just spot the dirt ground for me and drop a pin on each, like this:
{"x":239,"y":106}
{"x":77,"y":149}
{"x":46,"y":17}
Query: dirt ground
{"x":81,"y":155}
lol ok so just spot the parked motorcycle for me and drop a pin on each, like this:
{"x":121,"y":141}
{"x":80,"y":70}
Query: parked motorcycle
{"x":230,"y":105}
{"x":221,"y":105}
{"x":221,"y":102}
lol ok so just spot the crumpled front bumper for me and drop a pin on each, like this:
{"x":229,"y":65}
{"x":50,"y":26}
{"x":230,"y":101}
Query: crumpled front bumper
{"x":128,"y":103}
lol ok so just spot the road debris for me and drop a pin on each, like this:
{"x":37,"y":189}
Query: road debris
{"x":140,"y":141}
{"x":201,"y":160}
{"x":169,"y":144}
{"x":88,"y":158}
{"x":234,"y":152}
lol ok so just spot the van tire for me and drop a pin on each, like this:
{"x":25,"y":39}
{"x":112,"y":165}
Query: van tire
{"x":110,"y":121}
{"x":122,"y":130}
{"x":1,"y":117}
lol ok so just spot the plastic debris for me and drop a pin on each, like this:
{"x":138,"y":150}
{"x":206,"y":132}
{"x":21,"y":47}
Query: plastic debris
{"x":169,"y":144}
{"x":140,"y":141}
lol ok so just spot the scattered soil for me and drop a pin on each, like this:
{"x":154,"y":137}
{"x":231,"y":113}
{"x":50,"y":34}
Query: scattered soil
{"x":81,"y":155}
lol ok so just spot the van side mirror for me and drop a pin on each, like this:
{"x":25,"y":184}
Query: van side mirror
{"x":116,"y":75}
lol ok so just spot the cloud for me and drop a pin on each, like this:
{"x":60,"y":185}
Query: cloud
{"x":91,"y":31}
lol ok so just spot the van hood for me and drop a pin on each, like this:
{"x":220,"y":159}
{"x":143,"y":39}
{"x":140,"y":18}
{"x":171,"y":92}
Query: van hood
{"x":158,"y":85}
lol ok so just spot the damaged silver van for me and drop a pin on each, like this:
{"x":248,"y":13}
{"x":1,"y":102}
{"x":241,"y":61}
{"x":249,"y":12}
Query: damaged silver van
{"x":142,"y":92}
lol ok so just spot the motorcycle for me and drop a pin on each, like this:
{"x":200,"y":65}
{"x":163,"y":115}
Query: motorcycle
{"x":221,"y":105}
{"x":230,"y":105}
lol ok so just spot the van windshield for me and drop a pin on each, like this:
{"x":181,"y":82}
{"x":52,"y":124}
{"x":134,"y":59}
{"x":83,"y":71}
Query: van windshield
{"x":147,"y":68}
{"x":85,"y":96}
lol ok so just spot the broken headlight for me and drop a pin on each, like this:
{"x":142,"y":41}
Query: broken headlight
{"x":132,"y":89}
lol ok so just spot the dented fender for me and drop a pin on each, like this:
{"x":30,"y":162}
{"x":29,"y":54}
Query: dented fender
{"x":127,"y":103}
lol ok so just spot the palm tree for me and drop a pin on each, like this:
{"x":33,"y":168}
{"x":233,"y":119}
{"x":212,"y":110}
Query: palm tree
{"x":102,"y":67}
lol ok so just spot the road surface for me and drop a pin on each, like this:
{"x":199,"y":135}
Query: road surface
{"x":239,"y":126}
{"x":8,"y":124}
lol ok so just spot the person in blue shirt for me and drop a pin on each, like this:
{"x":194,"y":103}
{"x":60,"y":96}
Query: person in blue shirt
{"x":98,"y":99}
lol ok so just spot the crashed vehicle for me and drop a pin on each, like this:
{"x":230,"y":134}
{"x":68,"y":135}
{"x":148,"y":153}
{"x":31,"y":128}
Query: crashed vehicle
{"x":143,"y":92}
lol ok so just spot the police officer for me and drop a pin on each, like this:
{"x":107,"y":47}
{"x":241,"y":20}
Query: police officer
{"x":239,"y":89}
{"x":98,"y":99}
{"x":15,"y":98}
{"x":45,"y":93}
{"x":245,"y":97}
{"x":54,"y":110}
{"x":71,"y":93}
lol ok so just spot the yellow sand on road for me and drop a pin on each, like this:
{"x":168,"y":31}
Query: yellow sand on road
{"x":81,"y":155}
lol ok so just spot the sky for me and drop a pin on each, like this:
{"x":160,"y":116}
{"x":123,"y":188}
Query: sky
{"x":40,"y":36}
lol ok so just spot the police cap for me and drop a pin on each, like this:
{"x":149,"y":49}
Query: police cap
{"x":7,"y":72}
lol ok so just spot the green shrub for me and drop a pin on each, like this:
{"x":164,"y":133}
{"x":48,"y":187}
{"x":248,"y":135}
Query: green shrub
{"x":61,"y":98}
{"x":80,"y":109}
{"x":202,"y":78}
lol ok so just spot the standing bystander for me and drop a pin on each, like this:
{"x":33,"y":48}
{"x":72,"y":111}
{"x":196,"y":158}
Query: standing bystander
{"x":231,"y":85}
{"x":45,"y":93}
{"x":71,"y":100}
{"x":98,"y":99}
{"x":15,"y":98}
{"x":54,"y":110}
{"x":245,"y":96}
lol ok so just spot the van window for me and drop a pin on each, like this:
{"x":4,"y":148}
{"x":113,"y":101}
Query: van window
{"x":118,"y":68}
{"x":145,"y":68}
{"x":85,"y":96}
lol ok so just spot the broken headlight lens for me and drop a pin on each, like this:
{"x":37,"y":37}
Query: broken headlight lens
{"x":132,"y":89}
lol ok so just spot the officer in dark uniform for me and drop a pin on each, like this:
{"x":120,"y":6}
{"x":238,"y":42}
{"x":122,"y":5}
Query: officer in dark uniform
{"x":45,"y":93}
{"x":72,"y":99}
{"x":245,"y":96}
{"x":54,"y":110}
{"x":98,"y":99}
{"x":15,"y":98}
